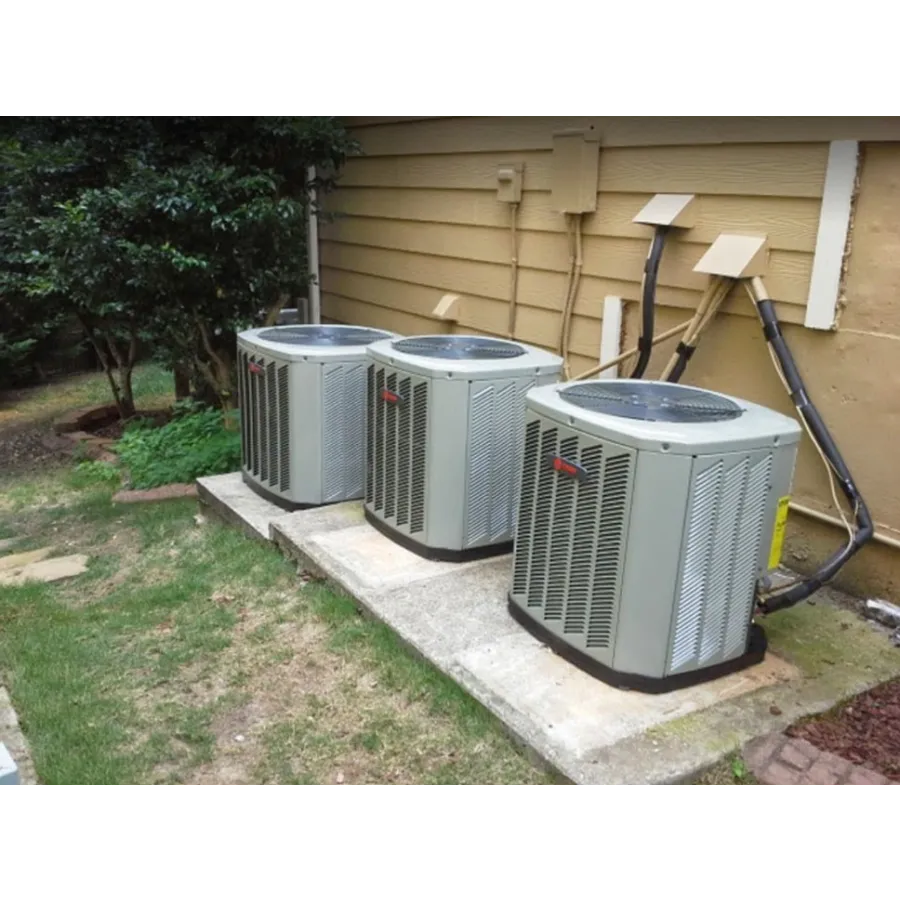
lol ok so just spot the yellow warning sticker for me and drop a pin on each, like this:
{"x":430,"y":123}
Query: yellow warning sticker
{"x":778,"y":532}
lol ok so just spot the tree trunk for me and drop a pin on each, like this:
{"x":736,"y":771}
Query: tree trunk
{"x":127,"y":410}
{"x":182,"y":375}
{"x":103,"y":357}
{"x":218,"y":371}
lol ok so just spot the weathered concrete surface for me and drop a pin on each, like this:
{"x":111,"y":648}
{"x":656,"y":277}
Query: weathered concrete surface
{"x":11,"y":735}
{"x":455,"y":616}
{"x":228,"y":497}
{"x":46,"y":570}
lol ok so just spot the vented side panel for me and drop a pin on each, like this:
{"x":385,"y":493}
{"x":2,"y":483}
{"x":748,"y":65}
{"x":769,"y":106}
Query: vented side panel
{"x":284,"y":430}
{"x":495,"y":437}
{"x":244,"y":406}
{"x":724,"y":530}
{"x":749,"y":537}
{"x":701,"y":527}
{"x":263,"y":396}
{"x":370,"y":434}
{"x":617,"y":475}
{"x":525,"y":528}
{"x":343,"y":418}
{"x":396,"y":438}
{"x":570,"y":538}
{"x":420,"y":442}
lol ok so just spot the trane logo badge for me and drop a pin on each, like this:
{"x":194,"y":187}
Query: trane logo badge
{"x":390,"y":396}
{"x":564,"y":467}
{"x":255,"y":368}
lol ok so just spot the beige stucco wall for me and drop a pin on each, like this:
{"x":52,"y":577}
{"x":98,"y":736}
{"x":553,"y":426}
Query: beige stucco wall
{"x":420,"y":218}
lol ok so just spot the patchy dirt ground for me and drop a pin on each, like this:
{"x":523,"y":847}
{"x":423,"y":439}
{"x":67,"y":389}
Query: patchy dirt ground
{"x":865,"y":731}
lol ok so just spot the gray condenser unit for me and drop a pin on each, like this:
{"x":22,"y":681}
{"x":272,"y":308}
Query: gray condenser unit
{"x":647,"y":512}
{"x":302,"y":397}
{"x":444,"y":437}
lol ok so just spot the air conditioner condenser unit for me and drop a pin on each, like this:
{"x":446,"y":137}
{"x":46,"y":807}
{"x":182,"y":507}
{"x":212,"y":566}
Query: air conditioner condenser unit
{"x":444,"y":436}
{"x":647,"y":512}
{"x":302,"y":397}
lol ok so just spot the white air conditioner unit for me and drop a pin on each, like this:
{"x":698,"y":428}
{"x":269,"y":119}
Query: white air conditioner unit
{"x":444,"y":436}
{"x":647,"y":512}
{"x":302,"y":397}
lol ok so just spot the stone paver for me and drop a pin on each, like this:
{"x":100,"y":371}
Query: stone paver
{"x":46,"y":570}
{"x":166,"y":492}
{"x":19,"y":560}
{"x":777,"y":759}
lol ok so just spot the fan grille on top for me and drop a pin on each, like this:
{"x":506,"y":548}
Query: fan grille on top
{"x":457,"y":346}
{"x":323,"y":335}
{"x":651,"y":401}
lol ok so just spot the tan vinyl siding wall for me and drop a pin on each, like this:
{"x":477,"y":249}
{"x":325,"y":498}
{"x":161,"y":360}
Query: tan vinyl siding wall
{"x":418,"y":221}
{"x":419,"y":218}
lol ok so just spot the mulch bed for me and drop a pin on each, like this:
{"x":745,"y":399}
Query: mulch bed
{"x":866,"y":731}
{"x":112,"y":431}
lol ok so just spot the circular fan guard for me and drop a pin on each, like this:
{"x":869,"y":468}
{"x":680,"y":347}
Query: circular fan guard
{"x":458,"y":346}
{"x":651,"y":401}
{"x":323,"y":335}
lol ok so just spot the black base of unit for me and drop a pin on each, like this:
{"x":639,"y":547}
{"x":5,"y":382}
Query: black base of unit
{"x":755,"y":653}
{"x":278,"y":500}
{"x":438,"y":554}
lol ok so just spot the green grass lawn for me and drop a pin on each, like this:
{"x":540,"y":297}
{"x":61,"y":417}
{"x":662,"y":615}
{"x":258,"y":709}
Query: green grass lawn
{"x":152,"y":385}
{"x":188,"y":653}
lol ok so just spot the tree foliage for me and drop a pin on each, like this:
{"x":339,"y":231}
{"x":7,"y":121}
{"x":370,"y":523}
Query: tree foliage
{"x":167,"y":233}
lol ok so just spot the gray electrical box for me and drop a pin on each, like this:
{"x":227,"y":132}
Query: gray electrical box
{"x":302,"y":396}
{"x":444,"y":434}
{"x":647,"y":513}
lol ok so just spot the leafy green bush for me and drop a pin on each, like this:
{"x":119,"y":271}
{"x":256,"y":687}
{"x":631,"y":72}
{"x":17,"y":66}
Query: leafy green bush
{"x":92,"y":472}
{"x":193,"y":444}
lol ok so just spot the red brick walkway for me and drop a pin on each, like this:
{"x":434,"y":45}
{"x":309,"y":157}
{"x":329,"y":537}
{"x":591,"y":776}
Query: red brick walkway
{"x":778,"y":759}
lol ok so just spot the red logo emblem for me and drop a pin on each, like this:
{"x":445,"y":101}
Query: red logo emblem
{"x":564,"y":467}
{"x":255,"y":368}
{"x":390,"y":396}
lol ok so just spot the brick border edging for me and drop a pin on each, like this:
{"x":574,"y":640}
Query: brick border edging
{"x":166,"y":492}
{"x":779,"y":759}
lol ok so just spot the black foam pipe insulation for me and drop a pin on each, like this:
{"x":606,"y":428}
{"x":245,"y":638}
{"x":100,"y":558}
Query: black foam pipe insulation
{"x":648,"y":301}
{"x":864,"y":527}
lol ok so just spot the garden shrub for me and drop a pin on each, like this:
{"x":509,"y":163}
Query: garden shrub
{"x":195,"y":443}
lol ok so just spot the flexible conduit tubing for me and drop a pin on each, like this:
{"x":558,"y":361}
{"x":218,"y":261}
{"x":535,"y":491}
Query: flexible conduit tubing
{"x":648,"y":301}
{"x":774,"y":600}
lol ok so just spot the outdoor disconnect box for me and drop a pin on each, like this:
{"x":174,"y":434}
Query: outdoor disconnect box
{"x":575,"y":171}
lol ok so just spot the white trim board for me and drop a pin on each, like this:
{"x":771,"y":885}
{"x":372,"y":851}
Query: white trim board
{"x":611,"y":335}
{"x":834,"y":230}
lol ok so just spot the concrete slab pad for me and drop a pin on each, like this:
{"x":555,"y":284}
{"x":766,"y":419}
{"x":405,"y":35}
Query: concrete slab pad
{"x":46,"y":570}
{"x":18,"y":560}
{"x":455,"y":616}
{"x":571,"y":707}
{"x":231,"y":499}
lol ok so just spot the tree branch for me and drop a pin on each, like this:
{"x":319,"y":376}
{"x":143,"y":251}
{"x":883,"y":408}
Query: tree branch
{"x":272,"y":314}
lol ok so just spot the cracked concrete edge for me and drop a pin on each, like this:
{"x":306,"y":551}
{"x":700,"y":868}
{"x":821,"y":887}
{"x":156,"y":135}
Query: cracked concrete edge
{"x":12,"y":737}
{"x":512,"y":722}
